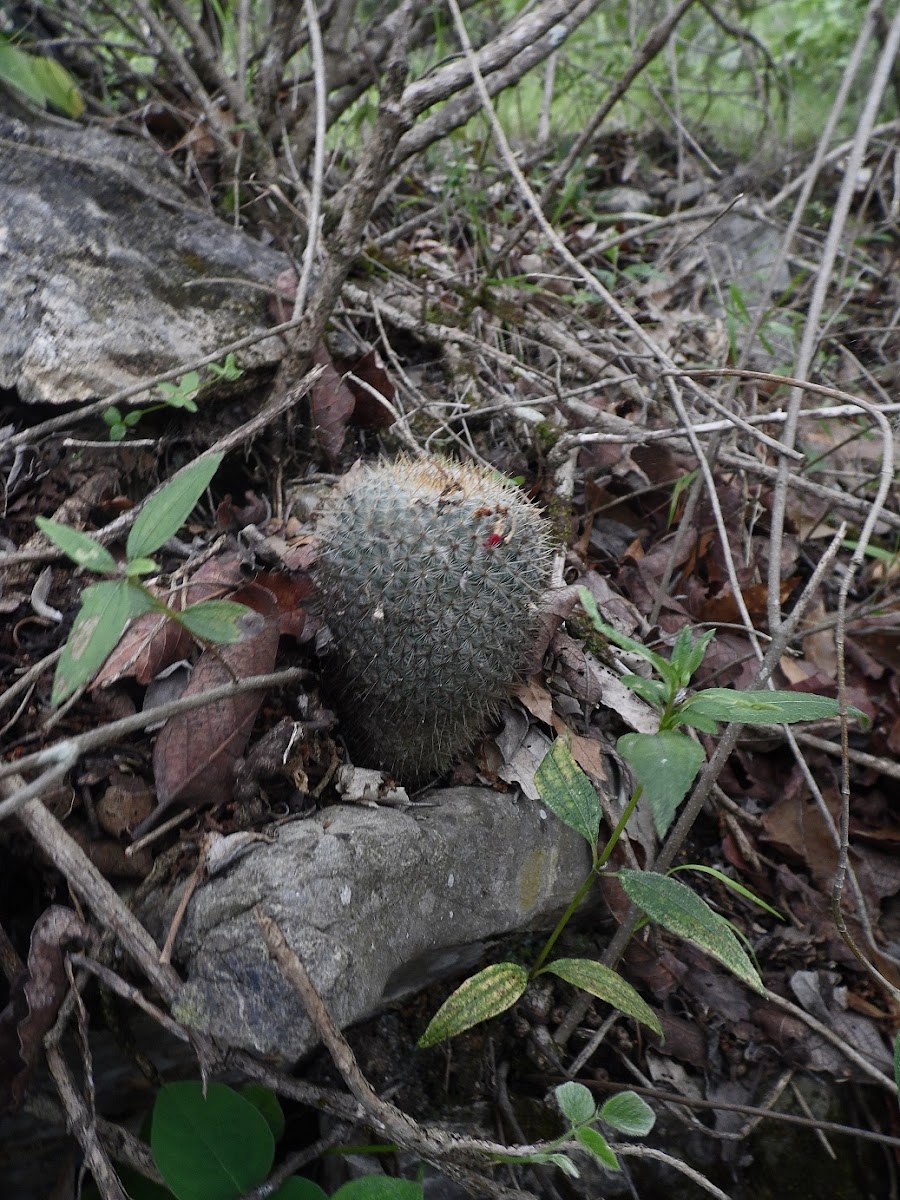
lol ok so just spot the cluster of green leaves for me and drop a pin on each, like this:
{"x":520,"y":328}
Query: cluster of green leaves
{"x":108,"y":606}
{"x":625,"y":1112}
{"x":665,"y":765}
{"x":43,"y":80}
{"x":217,"y":1144}
{"x":180,"y":394}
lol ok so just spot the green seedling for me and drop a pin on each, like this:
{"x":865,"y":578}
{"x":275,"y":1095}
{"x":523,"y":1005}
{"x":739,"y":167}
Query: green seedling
{"x":665,"y":765}
{"x":625,"y":1112}
{"x":180,"y":394}
{"x":108,"y":606}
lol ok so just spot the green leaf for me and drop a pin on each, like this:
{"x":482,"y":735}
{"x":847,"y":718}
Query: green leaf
{"x":629,"y":1114}
{"x":58,"y":86}
{"x":704,"y":724}
{"x":681,"y":911}
{"x":379,"y":1187}
{"x":83,"y":549}
{"x":604,"y":983}
{"x":215,"y":1148}
{"x":105,"y":610}
{"x":568,"y":792}
{"x":268,"y":1104}
{"x":597,"y":1144}
{"x":42,"y":79}
{"x":485,"y":995}
{"x":140,"y":566}
{"x":298,"y":1188}
{"x":663,"y":668}
{"x":216,"y":620}
{"x":577,"y":1103}
{"x":729,"y":882}
{"x":652,"y":690}
{"x":764,"y":708}
{"x":687,"y":654}
{"x":167,"y":511}
{"x":665,"y":764}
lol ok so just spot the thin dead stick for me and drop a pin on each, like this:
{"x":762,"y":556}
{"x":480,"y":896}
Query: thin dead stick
{"x":434,"y":1145}
{"x":116,"y":984}
{"x":589,"y":280}
{"x":629,"y":1150}
{"x":318,"y":171}
{"x":62,"y":756}
{"x":829,"y":256}
{"x":104,"y":902}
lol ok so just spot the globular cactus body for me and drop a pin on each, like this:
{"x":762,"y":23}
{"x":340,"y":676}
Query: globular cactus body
{"x":431,"y":573}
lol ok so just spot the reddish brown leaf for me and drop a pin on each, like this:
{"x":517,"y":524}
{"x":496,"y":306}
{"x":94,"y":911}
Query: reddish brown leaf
{"x":233,"y":517}
{"x":331,"y":404}
{"x":368,"y":412}
{"x":35,"y":997}
{"x":292,"y":594}
{"x":195,"y":755}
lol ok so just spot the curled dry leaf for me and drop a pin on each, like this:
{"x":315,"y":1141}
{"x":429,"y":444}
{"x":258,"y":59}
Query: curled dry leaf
{"x":196,"y":753}
{"x":34,"y":1000}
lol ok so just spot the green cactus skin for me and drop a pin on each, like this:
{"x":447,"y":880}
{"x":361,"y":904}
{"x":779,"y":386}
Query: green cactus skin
{"x":430,"y":573}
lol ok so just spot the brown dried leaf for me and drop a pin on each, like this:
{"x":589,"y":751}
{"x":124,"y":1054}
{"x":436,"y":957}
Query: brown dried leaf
{"x":35,"y":997}
{"x":331,"y":404}
{"x":196,"y":753}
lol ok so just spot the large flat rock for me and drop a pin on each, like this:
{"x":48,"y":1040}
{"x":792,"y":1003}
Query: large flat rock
{"x":377,"y":902}
{"x":109,"y":274}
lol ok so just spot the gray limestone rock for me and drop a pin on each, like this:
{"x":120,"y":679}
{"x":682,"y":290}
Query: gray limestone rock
{"x":108,"y":273}
{"x":378,"y":903}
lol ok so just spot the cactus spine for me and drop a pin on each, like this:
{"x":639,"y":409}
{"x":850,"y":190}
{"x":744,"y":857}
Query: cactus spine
{"x":430,"y":572}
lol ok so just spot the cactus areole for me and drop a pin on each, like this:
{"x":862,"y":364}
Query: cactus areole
{"x":430,"y":574}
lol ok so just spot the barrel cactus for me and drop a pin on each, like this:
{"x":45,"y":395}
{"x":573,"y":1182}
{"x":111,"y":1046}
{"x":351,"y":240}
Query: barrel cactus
{"x":430,"y":573}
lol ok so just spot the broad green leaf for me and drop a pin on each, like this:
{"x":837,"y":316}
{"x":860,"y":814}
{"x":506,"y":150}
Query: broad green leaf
{"x":212,"y":1148}
{"x":629,"y":1114}
{"x":485,"y":995}
{"x":379,"y":1187}
{"x":298,"y":1188}
{"x":704,"y":724}
{"x":577,"y":1104}
{"x":681,"y":911}
{"x":58,"y":86}
{"x":105,"y":611}
{"x":597,"y":1144}
{"x":268,"y":1104}
{"x":764,"y":708}
{"x":731,"y":883}
{"x":216,"y":620}
{"x":663,"y":667}
{"x":665,"y":764}
{"x":167,"y":511}
{"x":604,"y":983}
{"x":568,"y":792}
{"x":84,"y":550}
